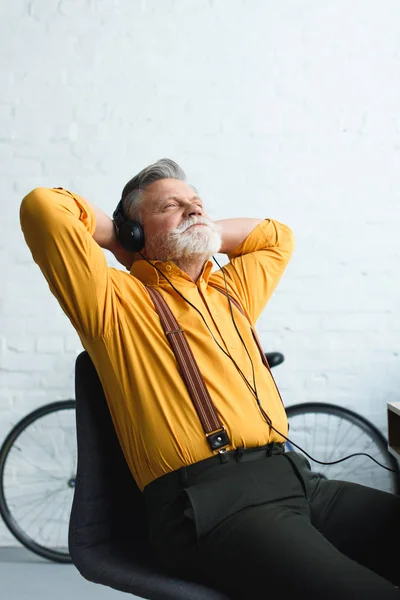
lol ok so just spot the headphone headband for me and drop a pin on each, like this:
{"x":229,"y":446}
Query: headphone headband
{"x":118,"y":214}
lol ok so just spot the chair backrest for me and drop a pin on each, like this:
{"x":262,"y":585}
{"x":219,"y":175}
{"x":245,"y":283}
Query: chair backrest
{"x":107,"y":502}
{"x":108,"y":537}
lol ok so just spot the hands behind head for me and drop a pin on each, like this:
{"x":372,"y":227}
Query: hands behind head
{"x":124,"y":257}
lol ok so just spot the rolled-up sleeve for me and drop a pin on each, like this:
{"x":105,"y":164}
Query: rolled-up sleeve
{"x":58,"y":227}
{"x":256,"y":266}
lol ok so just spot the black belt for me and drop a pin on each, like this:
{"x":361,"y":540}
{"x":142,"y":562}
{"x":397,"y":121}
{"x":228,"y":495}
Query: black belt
{"x":170,"y":484}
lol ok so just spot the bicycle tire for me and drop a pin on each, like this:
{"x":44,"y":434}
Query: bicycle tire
{"x":353,"y":418}
{"x":8,"y":445}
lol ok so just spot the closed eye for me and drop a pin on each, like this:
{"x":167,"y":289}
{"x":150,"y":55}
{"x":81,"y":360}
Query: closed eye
{"x":173,"y":204}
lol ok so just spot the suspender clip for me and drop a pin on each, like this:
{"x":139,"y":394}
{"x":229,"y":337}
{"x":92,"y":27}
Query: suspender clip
{"x":218,"y":439}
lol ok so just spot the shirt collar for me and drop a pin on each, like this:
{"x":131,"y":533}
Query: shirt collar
{"x":148,"y":275}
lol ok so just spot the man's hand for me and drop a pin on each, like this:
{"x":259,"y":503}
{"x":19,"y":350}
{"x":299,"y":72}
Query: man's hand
{"x":235,"y":231}
{"x":106,"y":236}
{"x":124,"y":257}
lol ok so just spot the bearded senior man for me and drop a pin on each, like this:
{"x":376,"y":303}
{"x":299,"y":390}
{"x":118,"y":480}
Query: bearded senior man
{"x":230,"y":509}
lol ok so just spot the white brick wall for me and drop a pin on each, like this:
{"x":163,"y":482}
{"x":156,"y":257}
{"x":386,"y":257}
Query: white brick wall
{"x":285,"y":109}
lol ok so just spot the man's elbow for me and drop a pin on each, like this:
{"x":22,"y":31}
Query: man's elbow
{"x":31,"y":205}
{"x":291,"y":241}
{"x":286,"y":240}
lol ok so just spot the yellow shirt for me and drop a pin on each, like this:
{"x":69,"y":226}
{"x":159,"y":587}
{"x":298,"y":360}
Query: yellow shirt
{"x":112,"y":312}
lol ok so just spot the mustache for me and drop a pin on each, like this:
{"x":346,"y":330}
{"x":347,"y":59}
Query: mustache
{"x":194,"y":221}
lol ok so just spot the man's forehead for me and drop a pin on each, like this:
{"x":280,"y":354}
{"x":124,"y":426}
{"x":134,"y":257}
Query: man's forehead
{"x":170,"y":189}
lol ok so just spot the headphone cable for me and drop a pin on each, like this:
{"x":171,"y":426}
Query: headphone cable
{"x":254,"y":390}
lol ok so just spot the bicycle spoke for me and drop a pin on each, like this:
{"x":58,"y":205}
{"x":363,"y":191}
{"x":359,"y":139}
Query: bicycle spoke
{"x":36,"y":466}
{"x":11,"y":499}
{"x":67,"y":434}
{"x":329,"y":433}
{"x":48,"y":497}
{"x":27,"y":480}
{"x":66,"y":507}
{"x":49,"y":520}
{"x":338,"y":442}
{"x":334,"y":446}
{"x":36,"y":517}
{"x":35,"y":473}
{"x":45,"y":451}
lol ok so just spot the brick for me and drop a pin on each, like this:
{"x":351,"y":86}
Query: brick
{"x":20,"y":343}
{"x":61,"y":381}
{"x":6,"y":401}
{"x":19,"y":380}
{"x":29,"y":167}
{"x":49,"y":344}
{"x":53,"y":324}
{"x":153,"y":6}
{"x":72,"y":343}
{"x":40,"y":9}
{"x":6,"y":149}
{"x":7,"y":114}
{"x":27,"y":362}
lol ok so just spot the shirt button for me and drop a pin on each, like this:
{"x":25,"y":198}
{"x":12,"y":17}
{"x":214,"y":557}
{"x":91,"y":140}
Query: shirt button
{"x":168,"y":267}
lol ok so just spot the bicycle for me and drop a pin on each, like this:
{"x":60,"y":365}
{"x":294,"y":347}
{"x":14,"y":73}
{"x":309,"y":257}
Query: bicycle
{"x":40,"y":452}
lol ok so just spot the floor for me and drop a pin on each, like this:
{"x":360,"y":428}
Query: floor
{"x":25,"y":576}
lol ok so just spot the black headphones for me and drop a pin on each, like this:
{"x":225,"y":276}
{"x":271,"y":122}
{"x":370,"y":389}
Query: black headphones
{"x":130,"y":233}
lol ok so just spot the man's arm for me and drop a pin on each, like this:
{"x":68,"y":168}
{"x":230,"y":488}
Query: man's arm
{"x":257,"y":263}
{"x":64,"y":236}
{"x":105,"y":236}
{"x":235,"y":231}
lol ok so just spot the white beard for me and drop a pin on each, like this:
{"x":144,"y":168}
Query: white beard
{"x":186,"y":242}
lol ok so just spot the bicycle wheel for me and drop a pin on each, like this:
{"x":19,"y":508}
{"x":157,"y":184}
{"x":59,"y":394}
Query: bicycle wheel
{"x":37,"y":479}
{"x":328,"y":432}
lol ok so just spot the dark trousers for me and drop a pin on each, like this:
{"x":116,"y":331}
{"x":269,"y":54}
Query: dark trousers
{"x":272,"y":526}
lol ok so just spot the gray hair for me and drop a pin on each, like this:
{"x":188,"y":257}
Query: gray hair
{"x":132,"y":194}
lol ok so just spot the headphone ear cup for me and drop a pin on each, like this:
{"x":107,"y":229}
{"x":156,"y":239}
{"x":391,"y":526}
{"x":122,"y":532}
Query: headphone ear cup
{"x":131,"y":236}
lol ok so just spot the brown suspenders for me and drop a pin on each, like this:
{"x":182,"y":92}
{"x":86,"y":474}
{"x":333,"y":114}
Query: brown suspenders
{"x":215,"y":431}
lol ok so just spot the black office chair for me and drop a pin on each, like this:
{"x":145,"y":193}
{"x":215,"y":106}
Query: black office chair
{"x":107,"y":531}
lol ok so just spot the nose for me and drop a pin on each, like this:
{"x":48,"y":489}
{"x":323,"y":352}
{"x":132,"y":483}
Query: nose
{"x":193,"y":210}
